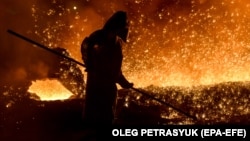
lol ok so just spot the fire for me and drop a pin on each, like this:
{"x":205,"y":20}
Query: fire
{"x":49,"y":90}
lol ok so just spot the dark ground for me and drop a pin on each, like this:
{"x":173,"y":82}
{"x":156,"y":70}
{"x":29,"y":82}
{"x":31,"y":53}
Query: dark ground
{"x":221,"y":104}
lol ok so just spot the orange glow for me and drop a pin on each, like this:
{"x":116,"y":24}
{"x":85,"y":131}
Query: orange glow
{"x":49,"y":90}
{"x":187,"y":44}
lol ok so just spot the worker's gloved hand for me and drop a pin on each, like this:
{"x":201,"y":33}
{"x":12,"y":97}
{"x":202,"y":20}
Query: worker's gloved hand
{"x":127,"y":85}
{"x":124,"y":83}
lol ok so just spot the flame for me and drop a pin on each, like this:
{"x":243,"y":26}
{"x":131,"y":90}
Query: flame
{"x":49,"y":90}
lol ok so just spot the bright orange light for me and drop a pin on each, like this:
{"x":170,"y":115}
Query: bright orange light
{"x":201,"y":43}
{"x":50,"y":90}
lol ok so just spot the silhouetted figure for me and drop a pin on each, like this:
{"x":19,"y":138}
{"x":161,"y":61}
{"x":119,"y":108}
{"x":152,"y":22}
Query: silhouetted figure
{"x":102,"y":54}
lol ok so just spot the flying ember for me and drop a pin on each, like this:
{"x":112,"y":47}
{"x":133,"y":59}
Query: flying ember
{"x":188,"y":60}
{"x":171,"y":43}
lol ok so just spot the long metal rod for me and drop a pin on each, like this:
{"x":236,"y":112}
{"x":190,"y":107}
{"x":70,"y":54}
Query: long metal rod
{"x":44,"y":47}
{"x":167,"y":104}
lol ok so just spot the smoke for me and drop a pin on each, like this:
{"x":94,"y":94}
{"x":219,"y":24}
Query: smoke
{"x":14,"y":15}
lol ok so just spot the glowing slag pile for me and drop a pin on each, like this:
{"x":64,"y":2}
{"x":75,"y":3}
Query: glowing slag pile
{"x":54,"y":90}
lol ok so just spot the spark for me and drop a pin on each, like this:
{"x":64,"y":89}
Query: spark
{"x":205,"y":46}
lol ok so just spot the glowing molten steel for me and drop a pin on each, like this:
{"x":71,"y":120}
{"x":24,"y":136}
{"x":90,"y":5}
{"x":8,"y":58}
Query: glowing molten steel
{"x":50,"y":90}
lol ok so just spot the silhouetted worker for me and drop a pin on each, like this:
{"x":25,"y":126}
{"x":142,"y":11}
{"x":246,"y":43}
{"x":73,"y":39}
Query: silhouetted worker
{"x":102,"y":54}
